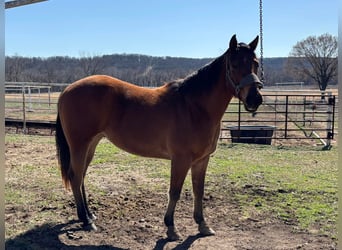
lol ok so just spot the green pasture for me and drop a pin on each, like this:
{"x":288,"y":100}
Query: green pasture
{"x":296,"y":185}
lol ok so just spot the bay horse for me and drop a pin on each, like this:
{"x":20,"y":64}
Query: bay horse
{"x":179,"y":121}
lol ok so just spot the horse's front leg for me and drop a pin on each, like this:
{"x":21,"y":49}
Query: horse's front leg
{"x":198,"y":171}
{"x":179,"y":169}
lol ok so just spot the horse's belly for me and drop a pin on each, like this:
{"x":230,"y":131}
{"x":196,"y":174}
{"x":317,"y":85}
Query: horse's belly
{"x":143,"y":144}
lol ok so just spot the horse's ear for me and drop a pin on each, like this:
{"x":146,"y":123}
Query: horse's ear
{"x":254,"y":43}
{"x":233,"y":42}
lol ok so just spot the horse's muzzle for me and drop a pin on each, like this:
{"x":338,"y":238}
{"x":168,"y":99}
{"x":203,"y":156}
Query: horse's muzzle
{"x":253,"y":100}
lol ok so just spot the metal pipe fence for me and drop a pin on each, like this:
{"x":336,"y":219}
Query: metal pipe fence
{"x":31,"y":103}
{"x":293,"y":116}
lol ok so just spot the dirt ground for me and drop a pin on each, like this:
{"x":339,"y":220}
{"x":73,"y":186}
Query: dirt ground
{"x":134,"y":219}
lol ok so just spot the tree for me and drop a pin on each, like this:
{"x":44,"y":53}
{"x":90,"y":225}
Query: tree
{"x":316,"y":57}
{"x":14,"y":67}
{"x":91,"y":65}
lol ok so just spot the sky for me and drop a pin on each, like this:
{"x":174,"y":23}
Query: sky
{"x":180,"y":28}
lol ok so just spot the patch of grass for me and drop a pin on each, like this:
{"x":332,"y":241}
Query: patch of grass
{"x":22,"y":138}
{"x":296,"y":184}
{"x":106,"y":152}
{"x":13,"y":195}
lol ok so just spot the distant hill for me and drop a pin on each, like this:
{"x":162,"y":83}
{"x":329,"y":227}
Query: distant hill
{"x":139,"y":69}
{"x":275,"y":70}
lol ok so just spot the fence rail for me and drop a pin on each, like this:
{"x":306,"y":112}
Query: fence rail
{"x":294,"y":115}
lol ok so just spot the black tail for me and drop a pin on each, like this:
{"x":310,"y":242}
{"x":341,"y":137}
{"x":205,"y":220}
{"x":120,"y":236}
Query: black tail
{"x":63,"y":153}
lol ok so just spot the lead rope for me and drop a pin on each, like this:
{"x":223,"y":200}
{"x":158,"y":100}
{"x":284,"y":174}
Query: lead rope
{"x":261,"y":44}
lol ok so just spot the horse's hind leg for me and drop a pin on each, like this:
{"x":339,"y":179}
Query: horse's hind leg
{"x":90,"y":155}
{"x":198,"y":171}
{"x":78,"y":164}
{"x":89,"y":213}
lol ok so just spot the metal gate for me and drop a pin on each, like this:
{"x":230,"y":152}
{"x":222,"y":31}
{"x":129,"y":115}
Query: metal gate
{"x":292,"y":116}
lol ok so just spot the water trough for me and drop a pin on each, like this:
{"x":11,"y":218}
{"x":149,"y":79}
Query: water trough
{"x":252,"y":134}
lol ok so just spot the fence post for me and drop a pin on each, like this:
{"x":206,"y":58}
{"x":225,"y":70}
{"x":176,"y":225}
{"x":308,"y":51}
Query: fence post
{"x":29,"y":98}
{"x":49,"y":94}
{"x":286,"y":114}
{"x":304,"y":110}
{"x":39,"y":101}
{"x":330,"y":120}
{"x":239,"y":115}
{"x":24,"y":107}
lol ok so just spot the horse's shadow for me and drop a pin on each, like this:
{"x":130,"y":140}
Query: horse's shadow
{"x":186,"y":244}
{"x":46,"y":236}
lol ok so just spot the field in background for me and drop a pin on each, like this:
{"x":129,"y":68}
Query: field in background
{"x":41,"y":107}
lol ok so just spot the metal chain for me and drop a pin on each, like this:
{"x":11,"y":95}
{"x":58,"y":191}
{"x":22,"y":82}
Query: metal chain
{"x":261,"y":44}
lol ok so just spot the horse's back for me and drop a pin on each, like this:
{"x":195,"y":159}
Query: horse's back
{"x":99,"y":85}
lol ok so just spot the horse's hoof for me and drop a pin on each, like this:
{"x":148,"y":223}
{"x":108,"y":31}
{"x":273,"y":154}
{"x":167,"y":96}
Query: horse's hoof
{"x":92,"y":216}
{"x":172,"y":234}
{"x":90,"y":227}
{"x":205,"y":230}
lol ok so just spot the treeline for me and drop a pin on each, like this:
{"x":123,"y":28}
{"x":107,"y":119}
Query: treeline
{"x":139,"y":69}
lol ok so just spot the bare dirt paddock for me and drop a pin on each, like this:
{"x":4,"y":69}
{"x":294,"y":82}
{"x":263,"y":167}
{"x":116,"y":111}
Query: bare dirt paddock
{"x":130,"y":204}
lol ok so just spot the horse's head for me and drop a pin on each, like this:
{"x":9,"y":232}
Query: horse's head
{"x":242,"y":67}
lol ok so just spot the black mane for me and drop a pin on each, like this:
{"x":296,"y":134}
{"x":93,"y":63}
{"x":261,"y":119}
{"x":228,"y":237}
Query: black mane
{"x":203,"y":80}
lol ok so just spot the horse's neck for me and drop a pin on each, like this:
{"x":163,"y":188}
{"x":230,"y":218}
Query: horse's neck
{"x":215,"y":97}
{"x":217,"y":101}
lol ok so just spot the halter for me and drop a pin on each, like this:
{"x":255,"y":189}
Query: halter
{"x":245,"y":81}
